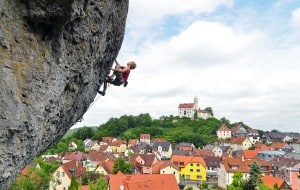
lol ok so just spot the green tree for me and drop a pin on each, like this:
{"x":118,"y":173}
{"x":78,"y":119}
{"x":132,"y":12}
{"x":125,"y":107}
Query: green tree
{"x":225,"y":121}
{"x":74,"y":184}
{"x":264,"y":187}
{"x":34,"y":179}
{"x":101,"y":184}
{"x":84,"y":133}
{"x":209,"y":110}
{"x":121,"y":165}
{"x":237,"y":182}
{"x":255,"y":176}
{"x":62,"y":147}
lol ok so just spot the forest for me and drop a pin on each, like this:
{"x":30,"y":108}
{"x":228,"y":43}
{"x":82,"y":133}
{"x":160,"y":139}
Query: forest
{"x":198,"y":131}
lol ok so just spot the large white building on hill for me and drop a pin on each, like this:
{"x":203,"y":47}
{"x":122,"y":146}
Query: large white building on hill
{"x":189,"y":110}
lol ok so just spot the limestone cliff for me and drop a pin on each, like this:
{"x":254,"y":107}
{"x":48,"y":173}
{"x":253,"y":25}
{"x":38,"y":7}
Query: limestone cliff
{"x":54,"y":54}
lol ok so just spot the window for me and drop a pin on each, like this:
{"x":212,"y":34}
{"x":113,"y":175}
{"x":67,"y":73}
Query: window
{"x":199,"y":177}
{"x":198,"y":170}
{"x":181,"y":163}
{"x":198,"y":164}
{"x":63,"y":174}
{"x":57,"y":173}
{"x":191,"y":164}
{"x":174,"y":173}
{"x":191,"y":170}
{"x":163,"y":171}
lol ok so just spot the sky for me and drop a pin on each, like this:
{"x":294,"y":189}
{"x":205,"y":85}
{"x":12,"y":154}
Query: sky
{"x":241,"y":58}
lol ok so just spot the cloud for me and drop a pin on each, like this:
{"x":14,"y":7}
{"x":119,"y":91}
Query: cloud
{"x":245,"y":71}
{"x":295,"y":18}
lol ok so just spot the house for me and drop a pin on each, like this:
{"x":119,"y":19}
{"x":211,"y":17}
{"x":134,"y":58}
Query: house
{"x":280,"y":146}
{"x":273,"y":182}
{"x":203,"y":153}
{"x":239,"y":131}
{"x":284,"y":168}
{"x":191,"y":167}
{"x":269,"y":154}
{"x":250,"y":154}
{"x":261,"y":147}
{"x":95,"y":147}
{"x":253,"y":136}
{"x":88,"y":143}
{"x":230,"y":166}
{"x":240,"y":143}
{"x":133,"y":142}
{"x":72,"y":146}
{"x":143,"y":163}
{"x":149,"y":182}
{"x":93,"y":158}
{"x":220,"y":151}
{"x":166,"y":167}
{"x":74,"y":156}
{"x":145,"y":138}
{"x":164,"y":149}
{"x":184,"y":148}
{"x":295,"y":177}
{"x":105,"y":167}
{"x":212,"y":166}
{"x":224,"y":132}
{"x":118,"y":146}
{"x":280,"y":137}
{"x":63,"y":175}
{"x":108,"y":139}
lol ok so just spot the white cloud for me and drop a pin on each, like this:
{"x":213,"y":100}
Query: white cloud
{"x":295,"y":18}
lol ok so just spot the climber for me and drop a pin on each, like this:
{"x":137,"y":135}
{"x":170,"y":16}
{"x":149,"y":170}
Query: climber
{"x":119,"y":76}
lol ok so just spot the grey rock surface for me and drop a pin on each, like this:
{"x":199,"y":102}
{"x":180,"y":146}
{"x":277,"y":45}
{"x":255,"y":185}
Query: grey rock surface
{"x":54,"y":55}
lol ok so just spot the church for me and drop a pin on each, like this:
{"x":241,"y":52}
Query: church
{"x":189,"y":110}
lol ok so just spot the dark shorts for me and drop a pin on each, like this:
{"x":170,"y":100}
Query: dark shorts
{"x":118,"y":81}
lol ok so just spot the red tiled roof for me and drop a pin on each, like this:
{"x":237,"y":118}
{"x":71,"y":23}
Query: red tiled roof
{"x":234,"y":129}
{"x":107,"y":139}
{"x":270,"y":181}
{"x":277,"y":145}
{"x":108,"y":166}
{"x":233,"y":165}
{"x":250,"y":154}
{"x":186,"y":105}
{"x":133,"y":141}
{"x":162,"y":164}
{"x":188,"y":159}
{"x":75,"y":156}
{"x":261,"y":147}
{"x":237,"y":140}
{"x":73,"y":165}
{"x":223,"y":127}
{"x":203,"y":152}
{"x":146,"y":182}
{"x":145,"y":136}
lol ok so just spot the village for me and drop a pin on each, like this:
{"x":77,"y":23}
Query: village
{"x":159,"y":164}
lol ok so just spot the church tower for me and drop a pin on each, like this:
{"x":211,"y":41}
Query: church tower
{"x":196,"y":103}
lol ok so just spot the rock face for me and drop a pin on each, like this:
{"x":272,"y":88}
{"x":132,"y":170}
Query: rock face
{"x":54,"y":55}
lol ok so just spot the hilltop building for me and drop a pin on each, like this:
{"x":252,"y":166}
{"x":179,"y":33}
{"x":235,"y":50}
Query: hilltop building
{"x":189,"y":110}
